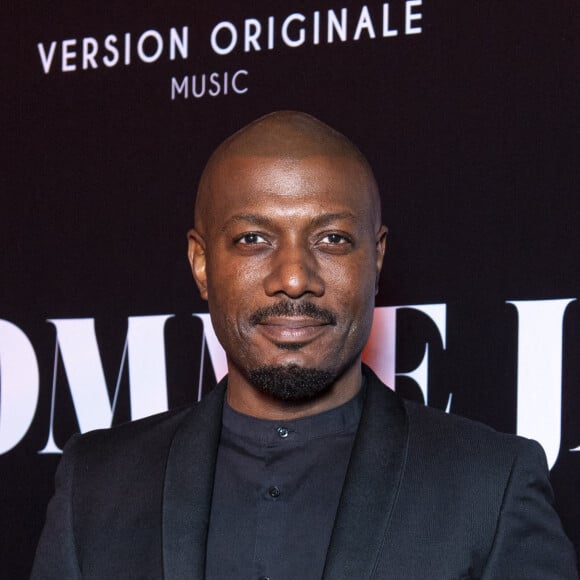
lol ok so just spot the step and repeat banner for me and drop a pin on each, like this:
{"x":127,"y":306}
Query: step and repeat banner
{"x":468,"y":112}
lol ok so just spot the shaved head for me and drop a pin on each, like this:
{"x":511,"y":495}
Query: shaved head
{"x":283,"y":135}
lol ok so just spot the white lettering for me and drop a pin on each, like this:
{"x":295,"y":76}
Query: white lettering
{"x":147,"y":377}
{"x":539,"y":414}
{"x":214,"y":82}
{"x":19,"y":385}
{"x":386,"y":17}
{"x":127,"y":48}
{"x":141,"y":46}
{"x":301,"y":33}
{"x":225,"y":84}
{"x":270,"y":32}
{"x":364,"y":23}
{"x":437,"y":313}
{"x":215,"y":350}
{"x":110,"y":41}
{"x":252,"y":32}
{"x":334,"y":25}
{"x":46,"y":59}
{"x":237,"y":89}
{"x":68,"y":54}
{"x":181,"y":44}
{"x":225,"y":25}
{"x":380,"y":351}
{"x":181,"y":89}
{"x":539,"y":366}
{"x":90,"y":49}
{"x":217,"y":84}
{"x":316,"y":27}
{"x":144,"y":345}
{"x":194,"y":92}
{"x":411,"y":16}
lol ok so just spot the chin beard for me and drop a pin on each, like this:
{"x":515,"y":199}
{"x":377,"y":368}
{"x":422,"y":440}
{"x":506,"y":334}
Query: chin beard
{"x":291,"y":382}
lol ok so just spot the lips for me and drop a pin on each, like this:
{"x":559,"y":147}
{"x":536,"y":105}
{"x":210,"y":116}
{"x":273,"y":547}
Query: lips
{"x":283,"y":330}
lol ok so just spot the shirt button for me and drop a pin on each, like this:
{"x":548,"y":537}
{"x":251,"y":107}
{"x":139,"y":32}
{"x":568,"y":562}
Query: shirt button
{"x":282,"y":432}
{"x":274,"y":491}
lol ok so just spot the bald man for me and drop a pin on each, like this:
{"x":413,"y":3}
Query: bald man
{"x":300,"y":464}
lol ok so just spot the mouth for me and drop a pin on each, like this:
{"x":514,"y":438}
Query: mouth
{"x":284,"y":331}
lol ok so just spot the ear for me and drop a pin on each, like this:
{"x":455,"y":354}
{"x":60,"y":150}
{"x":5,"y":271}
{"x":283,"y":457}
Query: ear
{"x":196,"y":255}
{"x":381,"y":248}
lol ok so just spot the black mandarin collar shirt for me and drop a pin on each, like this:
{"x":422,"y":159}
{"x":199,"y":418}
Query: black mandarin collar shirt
{"x":276,"y":491}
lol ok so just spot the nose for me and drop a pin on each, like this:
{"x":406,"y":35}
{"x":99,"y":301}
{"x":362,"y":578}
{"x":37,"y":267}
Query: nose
{"x":294,"y":271}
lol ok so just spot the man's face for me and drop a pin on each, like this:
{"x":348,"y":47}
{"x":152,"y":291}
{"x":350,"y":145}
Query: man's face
{"x":289,"y":262}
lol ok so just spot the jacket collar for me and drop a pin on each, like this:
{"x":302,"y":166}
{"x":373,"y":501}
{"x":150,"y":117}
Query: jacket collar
{"x":371,"y":485}
{"x":188,"y":488}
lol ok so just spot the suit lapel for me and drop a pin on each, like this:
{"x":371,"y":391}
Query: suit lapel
{"x":371,"y":485}
{"x":188,"y":489}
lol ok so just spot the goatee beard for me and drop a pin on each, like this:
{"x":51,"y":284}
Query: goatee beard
{"x":291,"y":383}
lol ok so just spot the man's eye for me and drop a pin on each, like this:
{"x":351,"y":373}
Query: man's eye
{"x":250,"y":239}
{"x":335,"y":239}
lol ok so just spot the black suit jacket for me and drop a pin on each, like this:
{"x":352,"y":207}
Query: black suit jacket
{"x":426,"y":496}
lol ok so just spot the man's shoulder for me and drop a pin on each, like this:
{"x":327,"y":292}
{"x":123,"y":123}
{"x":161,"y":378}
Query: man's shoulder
{"x":152,"y":426}
{"x":476,"y":454}
{"x":452,"y":437}
{"x":437,"y":421}
{"x":146,"y":435}
{"x":456,"y":431}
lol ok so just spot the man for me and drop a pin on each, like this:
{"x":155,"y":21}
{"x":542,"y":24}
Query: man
{"x":301,"y":464}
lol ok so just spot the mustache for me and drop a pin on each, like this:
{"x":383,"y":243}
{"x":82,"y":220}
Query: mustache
{"x":290,"y":309}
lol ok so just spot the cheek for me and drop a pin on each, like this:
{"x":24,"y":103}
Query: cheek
{"x":352,"y":282}
{"x":232,"y":287}
{"x":355,"y":300}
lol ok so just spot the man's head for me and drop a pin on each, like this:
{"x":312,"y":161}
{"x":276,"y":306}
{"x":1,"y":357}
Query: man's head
{"x":287,"y":249}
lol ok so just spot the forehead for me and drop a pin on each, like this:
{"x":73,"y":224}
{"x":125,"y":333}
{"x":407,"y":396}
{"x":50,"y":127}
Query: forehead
{"x":285,"y":186}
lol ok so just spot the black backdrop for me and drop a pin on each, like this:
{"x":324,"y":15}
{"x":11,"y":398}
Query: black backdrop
{"x":470,"y":119}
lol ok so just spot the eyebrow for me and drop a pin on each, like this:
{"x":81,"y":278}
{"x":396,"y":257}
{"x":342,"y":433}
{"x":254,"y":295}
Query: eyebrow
{"x":263,"y":221}
{"x":248,"y":218}
{"x":326,"y":218}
